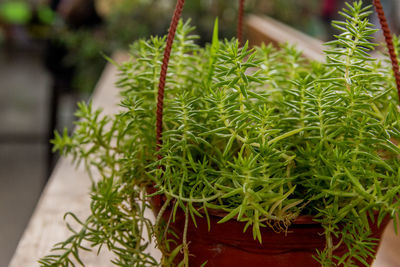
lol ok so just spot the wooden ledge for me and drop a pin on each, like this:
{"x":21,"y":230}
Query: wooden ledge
{"x":263,"y":29}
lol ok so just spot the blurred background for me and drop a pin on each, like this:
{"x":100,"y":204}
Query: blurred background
{"x":52,"y":55}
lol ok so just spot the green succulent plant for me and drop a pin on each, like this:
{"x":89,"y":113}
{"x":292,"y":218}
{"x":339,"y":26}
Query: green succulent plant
{"x":261,"y":134}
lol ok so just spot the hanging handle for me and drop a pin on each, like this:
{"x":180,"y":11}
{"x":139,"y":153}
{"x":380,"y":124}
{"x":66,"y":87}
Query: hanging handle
{"x":240,"y":22}
{"x":163,"y":73}
{"x":164,"y":67}
{"x":389,"y":42}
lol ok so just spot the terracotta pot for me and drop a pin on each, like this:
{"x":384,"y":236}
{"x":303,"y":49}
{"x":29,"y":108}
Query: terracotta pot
{"x":226,"y":244}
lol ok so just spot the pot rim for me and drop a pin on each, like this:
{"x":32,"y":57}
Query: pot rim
{"x":300,"y":220}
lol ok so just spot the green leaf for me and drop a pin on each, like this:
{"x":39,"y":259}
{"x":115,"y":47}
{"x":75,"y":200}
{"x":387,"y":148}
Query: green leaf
{"x":230,"y":215}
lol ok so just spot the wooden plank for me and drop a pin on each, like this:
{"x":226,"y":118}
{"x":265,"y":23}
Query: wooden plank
{"x":263,"y":29}
{"x":267,"y":30}
{"x":388,"y":252}
{"x":67,"y":190}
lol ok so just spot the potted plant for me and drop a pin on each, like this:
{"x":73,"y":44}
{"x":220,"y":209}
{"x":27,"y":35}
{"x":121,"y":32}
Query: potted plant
{"x":259,"y":146}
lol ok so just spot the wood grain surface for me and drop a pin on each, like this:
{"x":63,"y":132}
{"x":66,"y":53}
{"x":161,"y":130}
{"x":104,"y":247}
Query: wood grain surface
{"x":262,"y":29}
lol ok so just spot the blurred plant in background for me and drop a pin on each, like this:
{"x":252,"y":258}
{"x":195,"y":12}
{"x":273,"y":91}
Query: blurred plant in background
{"x":15,"y":12}
{"x":37,"y":18}
{"x":120,"y":23}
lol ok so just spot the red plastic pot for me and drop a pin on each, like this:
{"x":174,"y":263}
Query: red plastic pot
{"x":226,"y":244}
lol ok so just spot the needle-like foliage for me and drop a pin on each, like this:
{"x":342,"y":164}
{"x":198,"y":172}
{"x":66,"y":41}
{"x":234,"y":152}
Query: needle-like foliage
{"x":261,"y":134}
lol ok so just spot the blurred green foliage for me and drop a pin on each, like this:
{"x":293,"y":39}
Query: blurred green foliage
{"x":45,"y":14}
{"x":15,"y":12}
